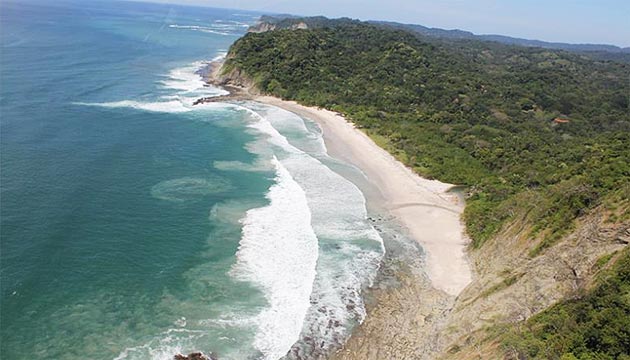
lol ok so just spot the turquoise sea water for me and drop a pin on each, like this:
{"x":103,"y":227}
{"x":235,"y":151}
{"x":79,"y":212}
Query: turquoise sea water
{"x":134,"y":226}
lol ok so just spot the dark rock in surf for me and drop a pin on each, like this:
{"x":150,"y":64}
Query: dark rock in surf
{"x":195,"y":356}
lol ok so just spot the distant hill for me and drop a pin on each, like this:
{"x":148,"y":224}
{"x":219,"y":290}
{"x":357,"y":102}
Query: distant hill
{"x":596,"y":51}
{"x":461,"y":34}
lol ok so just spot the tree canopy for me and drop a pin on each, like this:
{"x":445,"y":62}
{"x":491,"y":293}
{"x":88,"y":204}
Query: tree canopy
{"x":506,"y":121}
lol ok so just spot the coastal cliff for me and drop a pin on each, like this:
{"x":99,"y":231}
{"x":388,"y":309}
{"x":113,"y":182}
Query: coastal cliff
{"x":267,"y":26}
{"x":289,"y":22}
{"x":220,"y":75}
{"x":509,"y":288}
{"x":543,"y":236}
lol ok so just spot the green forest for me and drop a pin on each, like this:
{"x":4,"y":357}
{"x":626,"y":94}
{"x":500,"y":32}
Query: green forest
{"x":514,"y":124}
{"x":539,"y":134}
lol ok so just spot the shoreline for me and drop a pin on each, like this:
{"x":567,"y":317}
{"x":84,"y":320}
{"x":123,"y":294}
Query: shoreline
{"x":426,"y":208}
{"x":423,"y":207}
{"x":407,"y":303}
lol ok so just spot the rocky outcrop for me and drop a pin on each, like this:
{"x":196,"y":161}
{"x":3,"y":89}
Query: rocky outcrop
{"x":268,"y":26}
{"x":239,"y":86}
{"x":404,"y":323}
{"x":195,"y":356}
{"x":235,"y":78}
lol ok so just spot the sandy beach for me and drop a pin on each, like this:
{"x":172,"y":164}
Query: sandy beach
{"x":422,"y":206}
{"x":406,"y":307}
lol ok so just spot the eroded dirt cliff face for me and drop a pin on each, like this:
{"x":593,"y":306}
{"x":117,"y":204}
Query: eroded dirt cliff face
{"x":415,"y":321}
{"x":266,"y":26}
{"x":234,"y":77}
{"x":511,"y":286}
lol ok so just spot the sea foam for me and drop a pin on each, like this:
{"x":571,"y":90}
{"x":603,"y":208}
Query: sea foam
{"x":186,"y":85}
{"x":219,"y":27}
{"x":163,"y":347}
{"x":278,"y":252}
{"x":349,"y":248}
{"x":173,"y":106}
{"x":187,"y":79}
{"x":311,"y":250}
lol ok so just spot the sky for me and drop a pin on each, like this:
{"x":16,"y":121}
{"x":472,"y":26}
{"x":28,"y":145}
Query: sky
{"x":572,"y":21}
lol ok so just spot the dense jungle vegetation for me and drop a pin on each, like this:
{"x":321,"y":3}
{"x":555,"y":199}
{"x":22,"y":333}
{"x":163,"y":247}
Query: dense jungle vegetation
{"x":524,"y":128}
{"x":538,"y":134}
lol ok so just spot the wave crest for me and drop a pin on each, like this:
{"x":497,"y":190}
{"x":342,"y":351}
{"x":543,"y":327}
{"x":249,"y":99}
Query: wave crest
{"x":278,"y":252}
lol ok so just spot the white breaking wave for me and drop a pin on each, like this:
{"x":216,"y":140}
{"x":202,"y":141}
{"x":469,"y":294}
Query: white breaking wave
{"x":188,"y":86}
{"x":163,"y":106}
{"x":350,"y":249}
{"x":187,"y":79}
{"x":231,"y":23}
{"x":220,"y":27}
{"x":310,"y":250}
{"x":221,"y":56}
{"x":318,"y":180}
{"x":174,"y":106}
{"x":278,"y":252}
{"x":201,"y":29}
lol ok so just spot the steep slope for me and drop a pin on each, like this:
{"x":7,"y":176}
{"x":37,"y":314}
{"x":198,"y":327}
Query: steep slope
{"x":512,"y":286}
{"x":489,"y":320}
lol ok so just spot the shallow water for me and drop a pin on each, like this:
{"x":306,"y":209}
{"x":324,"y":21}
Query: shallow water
{"x":135,"y":225}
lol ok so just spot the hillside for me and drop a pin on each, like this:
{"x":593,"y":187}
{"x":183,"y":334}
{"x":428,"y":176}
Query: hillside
{"x":595,"y":51}
{"x":508,"y":40}
{"x":540,"y":138}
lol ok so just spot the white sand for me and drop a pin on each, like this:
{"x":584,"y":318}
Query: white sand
{"x":431,"y":215}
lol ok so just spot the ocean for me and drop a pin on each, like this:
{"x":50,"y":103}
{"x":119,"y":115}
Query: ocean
{"x":136,"y":226}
